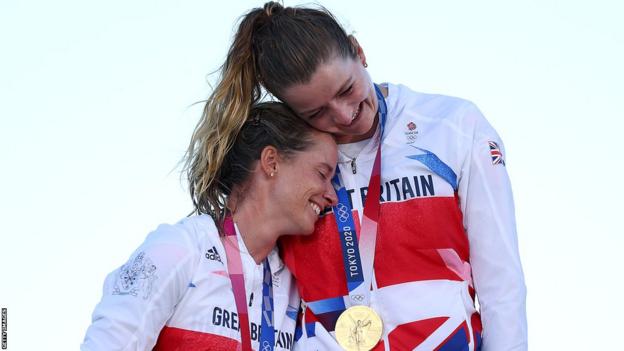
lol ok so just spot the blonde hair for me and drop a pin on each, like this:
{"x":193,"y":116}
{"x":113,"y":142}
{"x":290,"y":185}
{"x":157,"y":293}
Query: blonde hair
{"x":269,"y":123}
{"x":274,"y":47}
{"x":225,"y":112}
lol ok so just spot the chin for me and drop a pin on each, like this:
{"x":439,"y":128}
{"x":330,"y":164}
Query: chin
{"x":365,"y":125}
{"x":307,"y":230}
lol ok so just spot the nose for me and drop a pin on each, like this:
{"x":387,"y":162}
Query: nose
{"x":330,"y":195}
{"x":342,"y":112}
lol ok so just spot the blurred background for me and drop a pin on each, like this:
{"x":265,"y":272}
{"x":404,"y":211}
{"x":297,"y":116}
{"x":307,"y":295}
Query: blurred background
{"x":97,"y":105}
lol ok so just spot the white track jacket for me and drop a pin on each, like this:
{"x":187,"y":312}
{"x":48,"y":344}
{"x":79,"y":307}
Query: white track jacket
{"x":446,"y":234}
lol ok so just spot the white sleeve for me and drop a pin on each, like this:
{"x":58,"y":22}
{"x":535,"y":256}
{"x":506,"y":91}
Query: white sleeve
{"x":141,"y":295}
{"x":489,"y":219}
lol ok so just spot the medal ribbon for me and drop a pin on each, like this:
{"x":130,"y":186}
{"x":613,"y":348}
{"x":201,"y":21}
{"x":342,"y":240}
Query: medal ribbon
{"x":237,"y":278}
{"x":358,"y":258}
{"x":267,"y":329}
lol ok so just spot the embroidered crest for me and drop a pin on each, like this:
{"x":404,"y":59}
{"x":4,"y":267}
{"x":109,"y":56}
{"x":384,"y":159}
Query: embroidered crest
{"x":496,"y":154}
{"x":411,"y":133}
{"x":136,"y":277}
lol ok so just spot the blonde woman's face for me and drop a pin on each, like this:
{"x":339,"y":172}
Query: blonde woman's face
{"x":339,"y":99}
{"x":303,"y":184}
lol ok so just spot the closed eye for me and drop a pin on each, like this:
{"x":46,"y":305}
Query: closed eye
{"x":323,"y":175}
{"x":347,"y":91}
{"x":326,"y":171}
{"x":315,"y":114}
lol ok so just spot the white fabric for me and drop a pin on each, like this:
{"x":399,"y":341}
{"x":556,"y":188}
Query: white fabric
{"x":458,"y":134}
{"x":178,"y":278}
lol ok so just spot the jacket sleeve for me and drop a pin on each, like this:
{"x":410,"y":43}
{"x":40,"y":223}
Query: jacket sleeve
{"x":489,"y":219}
{"x":141,"y":295}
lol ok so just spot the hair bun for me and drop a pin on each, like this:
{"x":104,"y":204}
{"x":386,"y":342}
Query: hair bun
{"x":272,"y":8}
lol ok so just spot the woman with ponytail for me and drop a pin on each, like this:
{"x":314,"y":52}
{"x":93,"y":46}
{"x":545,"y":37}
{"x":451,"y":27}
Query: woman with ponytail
{"x":214,"y":281}
{"x":420,"y":250}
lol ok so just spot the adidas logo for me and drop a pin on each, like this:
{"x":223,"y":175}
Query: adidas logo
{"x":213,"y":254}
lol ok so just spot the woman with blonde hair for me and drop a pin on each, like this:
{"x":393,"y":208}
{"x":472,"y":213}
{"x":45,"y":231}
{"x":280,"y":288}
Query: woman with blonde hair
{"x":214,"y":281}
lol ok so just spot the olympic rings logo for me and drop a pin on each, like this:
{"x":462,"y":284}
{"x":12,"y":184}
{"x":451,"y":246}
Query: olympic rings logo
{"x":266,"y":346}
{"x":357,"y":298}
{"x":343,"y":212}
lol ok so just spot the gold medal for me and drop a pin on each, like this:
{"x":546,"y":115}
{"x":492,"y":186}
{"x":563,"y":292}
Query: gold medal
{"x":358,"y":328}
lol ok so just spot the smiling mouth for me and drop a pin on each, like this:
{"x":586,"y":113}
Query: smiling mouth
{"x":356,"y":113}
{"x":316,"y":208}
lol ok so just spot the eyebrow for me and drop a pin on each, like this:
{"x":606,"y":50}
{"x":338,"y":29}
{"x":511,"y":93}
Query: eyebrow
{"x":342,"y":88}
{"x":328,"y":167}
{"x":348,"y":82}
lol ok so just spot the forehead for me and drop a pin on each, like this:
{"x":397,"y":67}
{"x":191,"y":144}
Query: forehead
{"x":324,"y":84}
{"x":322,"y":150}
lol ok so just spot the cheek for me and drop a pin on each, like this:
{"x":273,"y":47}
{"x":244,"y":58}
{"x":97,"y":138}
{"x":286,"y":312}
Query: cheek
{"x":308,"y":184}
{"x":325,"y":123}
{"x":319,"y":123}
{"x":295,"y":187}
{"x":285,"y":191}
{"x":363,"y":94}
{"x":364,"y":83}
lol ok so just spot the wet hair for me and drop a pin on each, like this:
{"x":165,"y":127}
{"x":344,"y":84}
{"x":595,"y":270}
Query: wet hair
{"x":211,"y":182}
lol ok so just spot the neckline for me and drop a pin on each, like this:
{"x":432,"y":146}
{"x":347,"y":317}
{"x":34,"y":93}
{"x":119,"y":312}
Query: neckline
{"x":275,"y":262}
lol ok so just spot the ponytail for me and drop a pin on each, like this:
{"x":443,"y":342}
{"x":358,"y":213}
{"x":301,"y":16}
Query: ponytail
{"x":274,"y":47}
{"x":225,"y":112}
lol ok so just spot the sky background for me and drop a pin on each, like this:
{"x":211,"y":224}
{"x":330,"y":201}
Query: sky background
{"x":97,"y":108}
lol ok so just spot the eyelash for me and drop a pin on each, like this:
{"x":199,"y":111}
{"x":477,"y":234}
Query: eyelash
{"x":315,"y":114}
{"x":348,"y":91}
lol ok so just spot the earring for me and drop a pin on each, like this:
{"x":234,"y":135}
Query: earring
{"x":272,"y":174}
{"x":365,"y":65}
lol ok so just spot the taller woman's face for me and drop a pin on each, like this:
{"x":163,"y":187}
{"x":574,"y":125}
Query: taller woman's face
{"x":339,"y":98}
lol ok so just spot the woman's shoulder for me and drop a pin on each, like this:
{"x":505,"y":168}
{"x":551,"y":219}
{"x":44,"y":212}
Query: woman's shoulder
{"x":402,"y":98}
{"x":193,"y":232}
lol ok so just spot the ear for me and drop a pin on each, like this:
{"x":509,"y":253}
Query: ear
{"x":360,"y":51}
{"x":269,"y":160}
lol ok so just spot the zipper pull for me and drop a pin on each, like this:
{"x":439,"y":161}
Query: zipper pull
{"x":353,"y":167}
{"x":250,"y":299}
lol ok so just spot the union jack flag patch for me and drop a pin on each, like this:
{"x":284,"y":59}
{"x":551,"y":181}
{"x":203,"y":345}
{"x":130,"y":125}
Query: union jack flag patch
{"x":497,"y":155}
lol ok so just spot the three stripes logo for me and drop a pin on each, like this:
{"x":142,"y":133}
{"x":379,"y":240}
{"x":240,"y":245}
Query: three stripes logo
{"x":213,"y":255}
